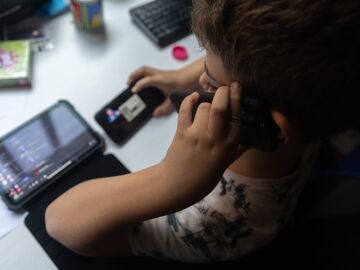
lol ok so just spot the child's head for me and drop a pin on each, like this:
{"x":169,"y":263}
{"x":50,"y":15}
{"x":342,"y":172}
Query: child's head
{"x":301,"y":55}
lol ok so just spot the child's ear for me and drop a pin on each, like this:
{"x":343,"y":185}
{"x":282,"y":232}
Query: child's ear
{"x":282,"y":122}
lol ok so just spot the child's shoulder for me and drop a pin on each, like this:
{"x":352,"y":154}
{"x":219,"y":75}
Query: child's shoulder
{"x":285,"y":163}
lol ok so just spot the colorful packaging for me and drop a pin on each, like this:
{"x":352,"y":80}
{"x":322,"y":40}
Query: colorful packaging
{"x":15,"y":63}
{"x":87,"y":14}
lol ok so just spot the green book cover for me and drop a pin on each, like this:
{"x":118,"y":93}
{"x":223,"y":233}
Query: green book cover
{"x":15,"y":63}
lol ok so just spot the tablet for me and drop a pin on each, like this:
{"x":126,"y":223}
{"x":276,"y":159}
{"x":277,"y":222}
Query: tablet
{"x":41,"y":150}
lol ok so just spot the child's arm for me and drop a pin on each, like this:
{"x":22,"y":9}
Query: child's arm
{"x":93,"y":218}
{"x":185,"y":78}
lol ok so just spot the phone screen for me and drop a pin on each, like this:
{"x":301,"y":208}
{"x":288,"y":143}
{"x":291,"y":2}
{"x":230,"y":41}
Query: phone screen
{"x":40,"y":150}
{"x":258,"y":129}
{"x":128,"y":112}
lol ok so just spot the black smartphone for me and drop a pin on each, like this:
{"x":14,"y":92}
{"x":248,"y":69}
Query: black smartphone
{"x":128,"y":112}
{"x":42,"y":150}
{"x":258,"y":129}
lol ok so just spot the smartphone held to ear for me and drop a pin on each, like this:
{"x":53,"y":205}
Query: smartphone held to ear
{"x":258,"y":129}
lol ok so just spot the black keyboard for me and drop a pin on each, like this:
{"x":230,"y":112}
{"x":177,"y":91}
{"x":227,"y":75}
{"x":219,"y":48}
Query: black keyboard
{"x":164,"y":21}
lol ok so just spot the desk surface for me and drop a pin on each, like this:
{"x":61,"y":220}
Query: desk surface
{"x":89,"y":70}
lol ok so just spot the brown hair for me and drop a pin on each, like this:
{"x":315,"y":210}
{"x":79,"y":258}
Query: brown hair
{"x":302,"y":56}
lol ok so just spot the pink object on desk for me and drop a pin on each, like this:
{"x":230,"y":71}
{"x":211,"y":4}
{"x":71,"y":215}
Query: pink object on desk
{"x":180,"y":53}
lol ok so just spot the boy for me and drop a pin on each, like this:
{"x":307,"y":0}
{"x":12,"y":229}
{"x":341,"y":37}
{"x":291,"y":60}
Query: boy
{"x":210,"y":198}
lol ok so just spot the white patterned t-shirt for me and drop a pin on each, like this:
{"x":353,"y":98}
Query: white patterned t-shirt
{"x":239,"y":216}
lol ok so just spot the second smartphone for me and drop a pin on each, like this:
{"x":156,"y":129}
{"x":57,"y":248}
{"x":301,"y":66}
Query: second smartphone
{"x":127,"y":113}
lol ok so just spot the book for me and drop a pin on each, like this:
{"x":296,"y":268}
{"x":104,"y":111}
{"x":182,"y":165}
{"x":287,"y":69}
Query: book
{"x":15,"y":63}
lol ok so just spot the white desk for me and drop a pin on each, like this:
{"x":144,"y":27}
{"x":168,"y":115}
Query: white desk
{"x":89,"y":71}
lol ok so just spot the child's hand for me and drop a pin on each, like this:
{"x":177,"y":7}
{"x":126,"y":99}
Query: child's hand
{"x":164,"y":80}
{"x":202,"y":149}
{"x":169,"y":80}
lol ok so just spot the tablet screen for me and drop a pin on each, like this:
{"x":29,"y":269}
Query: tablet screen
{"x":41,"y":149}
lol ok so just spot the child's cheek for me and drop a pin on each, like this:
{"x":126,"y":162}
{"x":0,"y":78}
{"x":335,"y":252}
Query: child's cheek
{"x":203,"y":81}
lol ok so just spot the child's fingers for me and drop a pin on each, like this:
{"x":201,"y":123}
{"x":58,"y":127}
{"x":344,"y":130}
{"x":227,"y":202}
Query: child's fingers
{"x":139,"y":73}
{"x":201,"y":120}
{"x":219,"y":114}
{"x":143,"y":83}
{"x":185,"y":111}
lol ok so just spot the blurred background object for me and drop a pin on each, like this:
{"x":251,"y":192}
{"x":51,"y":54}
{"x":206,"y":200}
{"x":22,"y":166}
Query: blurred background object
{"x":12,"y":11}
